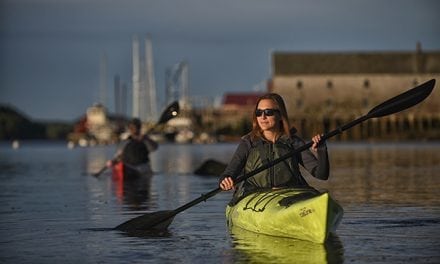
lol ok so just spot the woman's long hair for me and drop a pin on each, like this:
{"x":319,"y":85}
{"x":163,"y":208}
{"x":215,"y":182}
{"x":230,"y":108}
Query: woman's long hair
{"x":283,"y":125}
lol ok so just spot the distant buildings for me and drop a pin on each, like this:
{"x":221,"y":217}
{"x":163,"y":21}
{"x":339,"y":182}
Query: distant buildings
{"x":325,"y":90}
{"x":322,"y":91}
{"x":97,"y":124}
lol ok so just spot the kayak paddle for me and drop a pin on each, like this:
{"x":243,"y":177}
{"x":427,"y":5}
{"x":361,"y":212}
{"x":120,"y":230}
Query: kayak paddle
{"x":162,"y":219}
{"x":170,"y":112}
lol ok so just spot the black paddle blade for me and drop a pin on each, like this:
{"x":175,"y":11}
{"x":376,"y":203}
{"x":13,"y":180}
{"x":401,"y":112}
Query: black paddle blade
{"x":170,"y":112}
{"x":146,"y":223}
{"x":403,"y":101}
{"x":97,"y":174}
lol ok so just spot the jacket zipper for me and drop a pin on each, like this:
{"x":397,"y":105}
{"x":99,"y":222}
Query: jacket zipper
{"x":271,"y":170}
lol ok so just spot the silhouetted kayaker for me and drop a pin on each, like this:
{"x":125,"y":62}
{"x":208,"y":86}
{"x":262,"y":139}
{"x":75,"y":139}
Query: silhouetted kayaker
{"x":134,"y":151}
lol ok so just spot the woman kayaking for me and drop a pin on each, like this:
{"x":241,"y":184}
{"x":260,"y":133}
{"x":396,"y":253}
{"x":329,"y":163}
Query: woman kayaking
{"x":271,"y":138}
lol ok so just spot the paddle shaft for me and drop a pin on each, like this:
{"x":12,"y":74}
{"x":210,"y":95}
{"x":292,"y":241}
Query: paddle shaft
{"x":102,"y":170}
{"x":239,"y":179}
{"x":202,"y":198}
{"x":210,"y":194}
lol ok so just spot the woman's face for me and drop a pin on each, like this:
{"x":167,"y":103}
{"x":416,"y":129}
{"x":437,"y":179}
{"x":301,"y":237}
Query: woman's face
{"x":265,"y":121}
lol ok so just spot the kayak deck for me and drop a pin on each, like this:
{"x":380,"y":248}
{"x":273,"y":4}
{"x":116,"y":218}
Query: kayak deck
{"x":303,"y":214}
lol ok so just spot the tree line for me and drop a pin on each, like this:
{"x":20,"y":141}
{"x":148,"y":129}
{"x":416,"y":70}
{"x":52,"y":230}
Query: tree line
{"x":16,"y":125}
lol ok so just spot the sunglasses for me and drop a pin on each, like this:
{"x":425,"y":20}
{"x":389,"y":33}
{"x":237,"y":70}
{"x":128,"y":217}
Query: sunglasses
{"x":267,"y":112}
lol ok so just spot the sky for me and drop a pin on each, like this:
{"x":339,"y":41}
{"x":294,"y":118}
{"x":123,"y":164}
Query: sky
{"x":50,"y":50}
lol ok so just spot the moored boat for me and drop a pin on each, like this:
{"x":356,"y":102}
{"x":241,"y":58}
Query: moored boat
{"x":304,"y":214}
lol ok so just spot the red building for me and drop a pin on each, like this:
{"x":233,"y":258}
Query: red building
{"x":240,"y":101}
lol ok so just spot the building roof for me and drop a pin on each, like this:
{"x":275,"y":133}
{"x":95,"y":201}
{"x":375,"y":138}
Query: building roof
{"x":289,"y":63}
{"x":241,"y":99}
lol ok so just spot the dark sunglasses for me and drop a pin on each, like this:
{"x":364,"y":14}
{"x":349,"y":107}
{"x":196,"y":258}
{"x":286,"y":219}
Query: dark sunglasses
{"x":267,"y":112}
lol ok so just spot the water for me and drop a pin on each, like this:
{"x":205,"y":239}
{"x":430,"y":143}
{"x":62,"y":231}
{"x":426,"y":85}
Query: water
{"x":53,"y":211}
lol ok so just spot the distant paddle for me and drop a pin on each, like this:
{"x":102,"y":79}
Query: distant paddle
{"x":162,"y":219}
{"x":170,"y":112}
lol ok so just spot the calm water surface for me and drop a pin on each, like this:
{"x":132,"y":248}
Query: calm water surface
{"x":53,"y":211}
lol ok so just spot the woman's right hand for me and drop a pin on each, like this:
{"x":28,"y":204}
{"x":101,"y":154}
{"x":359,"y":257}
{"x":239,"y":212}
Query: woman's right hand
{"x":227,"y":184}
{"x":316,"y":140}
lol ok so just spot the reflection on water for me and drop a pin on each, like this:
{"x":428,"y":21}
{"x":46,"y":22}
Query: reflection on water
{"x":389,"y":193}
{"x":259,"y":248}
{"x":95,"y":158}
{"x":384,"y":173}
{"x":135,"y":193}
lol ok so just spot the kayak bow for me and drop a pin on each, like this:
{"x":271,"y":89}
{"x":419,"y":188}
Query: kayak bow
{"x":304,"y":214}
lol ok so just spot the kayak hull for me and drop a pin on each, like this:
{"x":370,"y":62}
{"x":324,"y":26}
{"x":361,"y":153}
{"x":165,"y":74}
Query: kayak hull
{"x":303,"y":214}
{"x":124,"y":172}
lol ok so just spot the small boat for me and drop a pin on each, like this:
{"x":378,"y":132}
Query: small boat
{"x":123,"y":171}
{"x":303,"y":214}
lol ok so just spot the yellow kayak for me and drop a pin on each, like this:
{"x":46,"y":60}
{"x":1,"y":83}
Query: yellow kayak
{"x":304,"y":214}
